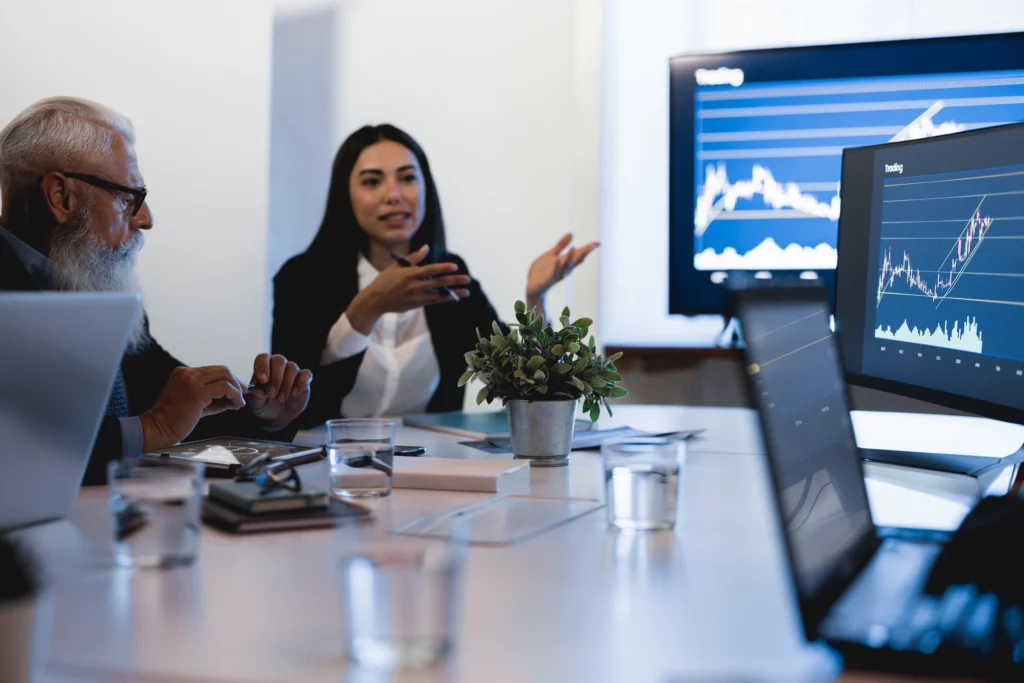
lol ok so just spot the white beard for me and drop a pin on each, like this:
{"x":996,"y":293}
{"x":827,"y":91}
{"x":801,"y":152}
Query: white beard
{"x":83,"y":263}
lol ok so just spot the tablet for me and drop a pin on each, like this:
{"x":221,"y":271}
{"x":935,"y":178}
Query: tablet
{"x":228,"y":453}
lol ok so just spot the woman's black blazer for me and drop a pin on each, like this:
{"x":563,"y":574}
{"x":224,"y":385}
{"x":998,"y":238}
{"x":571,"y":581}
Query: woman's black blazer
{"x":309,"y":297}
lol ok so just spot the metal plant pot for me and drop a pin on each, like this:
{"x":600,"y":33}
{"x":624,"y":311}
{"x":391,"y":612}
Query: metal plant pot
{"x":541,"y":431}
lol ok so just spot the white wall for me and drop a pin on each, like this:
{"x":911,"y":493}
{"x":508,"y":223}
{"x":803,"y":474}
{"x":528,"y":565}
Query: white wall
{"x":194,"y":76}
{"x":640,"y":37}
{"x":505,"y":100}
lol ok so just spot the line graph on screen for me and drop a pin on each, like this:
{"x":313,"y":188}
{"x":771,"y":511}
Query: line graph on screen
{"x":768,"y":156}
{"x":950,"y":271}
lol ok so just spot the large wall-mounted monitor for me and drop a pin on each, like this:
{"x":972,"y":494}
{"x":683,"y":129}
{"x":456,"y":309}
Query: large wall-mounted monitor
{"x":756,"y":143}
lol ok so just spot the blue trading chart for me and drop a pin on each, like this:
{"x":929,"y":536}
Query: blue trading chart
{"x":950,"y":269}
{"x":768,"y":161}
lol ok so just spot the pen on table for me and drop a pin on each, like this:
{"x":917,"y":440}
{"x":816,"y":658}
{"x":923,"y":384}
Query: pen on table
{"x":405,"y":263}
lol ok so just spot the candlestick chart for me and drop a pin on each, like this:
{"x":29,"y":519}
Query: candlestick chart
{"x":951,"y":262}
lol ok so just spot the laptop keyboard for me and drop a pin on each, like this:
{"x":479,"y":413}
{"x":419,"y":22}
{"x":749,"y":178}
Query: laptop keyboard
{"x":960,"y":621}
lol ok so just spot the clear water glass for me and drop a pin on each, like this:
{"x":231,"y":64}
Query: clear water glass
{"x":155,"y":512}
{"x":642,"y":482}
{"x":361,"y":452}
{"x":400,"y":601}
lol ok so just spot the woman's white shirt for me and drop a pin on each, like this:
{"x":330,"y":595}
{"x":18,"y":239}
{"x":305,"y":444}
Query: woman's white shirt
{"x":399,"y":373}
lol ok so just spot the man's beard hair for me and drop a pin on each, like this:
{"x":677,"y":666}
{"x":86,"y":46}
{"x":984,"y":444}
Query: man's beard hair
{"x":84,"y":263}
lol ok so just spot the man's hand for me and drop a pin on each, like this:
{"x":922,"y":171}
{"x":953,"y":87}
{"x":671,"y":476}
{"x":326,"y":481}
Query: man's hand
{"x":287,"y":391}
{"x":190,"y":394}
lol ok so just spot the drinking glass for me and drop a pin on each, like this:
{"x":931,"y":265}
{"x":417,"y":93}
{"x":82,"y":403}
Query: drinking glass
{"x":155,"y":512}
{"x":400,"y":601}
{"x":361,"y":452}
{"x":642,"y":482}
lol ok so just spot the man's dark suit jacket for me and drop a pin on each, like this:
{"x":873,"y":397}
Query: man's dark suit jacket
{"x":145,"y":375}
{"x":310,"y":297}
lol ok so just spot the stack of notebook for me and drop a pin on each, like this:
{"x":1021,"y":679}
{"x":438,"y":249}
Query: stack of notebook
{"x":241,"y":507}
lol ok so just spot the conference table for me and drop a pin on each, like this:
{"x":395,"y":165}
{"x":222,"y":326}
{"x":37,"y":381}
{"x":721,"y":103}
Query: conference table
{"x":711,"y":601}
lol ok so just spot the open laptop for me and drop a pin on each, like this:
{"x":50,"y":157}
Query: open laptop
{"x":861,"y":588}
{"x":59,"y":355}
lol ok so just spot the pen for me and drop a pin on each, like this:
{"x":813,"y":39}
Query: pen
{"x":402,"y":261}
{"x":256,"y":385}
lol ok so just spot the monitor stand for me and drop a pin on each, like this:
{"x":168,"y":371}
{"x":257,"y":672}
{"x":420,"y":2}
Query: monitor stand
{"x":971,"y":465}
{"x":731,"y":336}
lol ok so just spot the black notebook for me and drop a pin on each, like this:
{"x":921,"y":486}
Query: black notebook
{"x":336,"y":513}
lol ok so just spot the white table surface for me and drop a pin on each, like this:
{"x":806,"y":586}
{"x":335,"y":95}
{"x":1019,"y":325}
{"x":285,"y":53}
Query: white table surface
{"x":710,"y":602}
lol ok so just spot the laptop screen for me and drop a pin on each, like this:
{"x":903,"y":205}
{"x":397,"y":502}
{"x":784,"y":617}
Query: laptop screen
{"x":796,"y":383}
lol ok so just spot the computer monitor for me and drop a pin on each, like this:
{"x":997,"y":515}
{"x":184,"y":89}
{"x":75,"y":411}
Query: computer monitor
{"x":930,"y":282}
{"x":756,"y":138}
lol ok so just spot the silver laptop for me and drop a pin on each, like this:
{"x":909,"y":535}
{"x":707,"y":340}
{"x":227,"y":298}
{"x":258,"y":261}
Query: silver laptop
{"x":59,"y":355}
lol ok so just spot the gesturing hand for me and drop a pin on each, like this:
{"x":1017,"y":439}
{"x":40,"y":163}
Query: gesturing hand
{"x":286,"y":392}
{"x":554,"y":265}
{"x":402,"y":288}
{"x":190,"y":394}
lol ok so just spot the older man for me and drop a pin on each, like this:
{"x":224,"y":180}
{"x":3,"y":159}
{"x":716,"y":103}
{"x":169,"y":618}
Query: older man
{"x":74,"y":208}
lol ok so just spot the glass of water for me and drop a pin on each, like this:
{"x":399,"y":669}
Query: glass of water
{"x":400,"y":601}
{"x":155,"y":512}
{"x":361,"y":452}
{"x":642,"y":482}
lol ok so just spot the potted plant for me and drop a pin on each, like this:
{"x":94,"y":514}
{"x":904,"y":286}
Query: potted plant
{"x":540,"y":375}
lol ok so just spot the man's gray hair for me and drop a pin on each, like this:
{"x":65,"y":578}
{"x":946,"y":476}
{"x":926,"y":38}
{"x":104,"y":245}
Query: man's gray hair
{"x":54,"y":134}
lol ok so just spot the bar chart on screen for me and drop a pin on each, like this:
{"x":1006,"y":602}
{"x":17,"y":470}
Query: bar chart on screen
{"x":951,"y":262}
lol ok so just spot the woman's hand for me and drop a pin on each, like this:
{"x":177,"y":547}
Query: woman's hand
{"x":402,"y":288}
{"x":552,"y":267}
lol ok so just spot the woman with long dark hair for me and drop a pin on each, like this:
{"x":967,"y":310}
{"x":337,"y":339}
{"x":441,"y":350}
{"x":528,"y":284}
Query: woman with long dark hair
{"x":384,"y":338}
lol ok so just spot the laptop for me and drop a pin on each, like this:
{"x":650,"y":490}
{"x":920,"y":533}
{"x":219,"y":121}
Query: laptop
{"x":861,"y":588}
{"x":59,"y":355}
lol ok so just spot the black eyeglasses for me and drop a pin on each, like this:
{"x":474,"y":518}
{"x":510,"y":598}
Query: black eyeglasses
{"x":137,"y":193}
{"x":270,"y":474}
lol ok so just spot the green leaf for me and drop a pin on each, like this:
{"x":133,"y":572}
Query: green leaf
{"x":520,"y":307}
{"x":565,"y":312}
{"x":482,"y":395}
{"x":586,"y":405}
{"x":595,"y":412}
{"x":612,"y":376}
{"x":597,"y":382}
{"x":521,"y":317}
{"x":565,"y":322}
{"x":540,"y":374}
{"x":583,"y":322}
{"x":519,"y":374}
{"x":561,"y":368}
{"x":534,"y":363}
{"x":478,"y":335}
{"x":542,"y":388}
{"x":592,"y":344}
{"x":496,"y":327}
{"x":466,"y":376}
{"x":614,"y":357}
{"x":578,"y":384}
{"x":586,"y":352}
{"x":557,"y":350}
{"x":618,"y":392}
{"x":581,"y":364}
{"x":573,"y":347}
{"x":608,"y":407}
